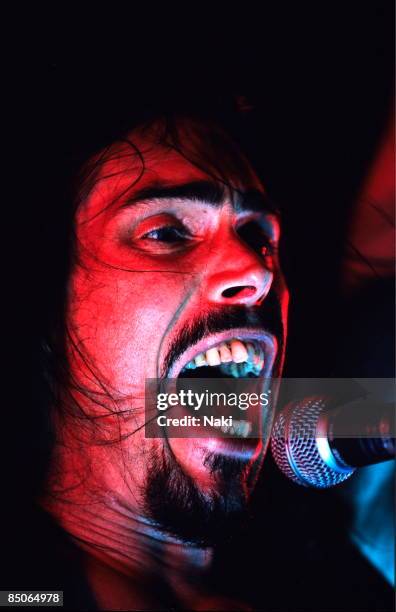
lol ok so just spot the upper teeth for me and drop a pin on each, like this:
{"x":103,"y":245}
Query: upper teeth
{"x":232,"y":352}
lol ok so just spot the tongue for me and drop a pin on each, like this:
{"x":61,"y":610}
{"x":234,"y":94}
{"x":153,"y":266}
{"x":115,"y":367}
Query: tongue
{"x":203,"y":372}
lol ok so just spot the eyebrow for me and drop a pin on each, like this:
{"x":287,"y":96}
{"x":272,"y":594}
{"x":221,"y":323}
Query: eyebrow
{"x":205,"y":192}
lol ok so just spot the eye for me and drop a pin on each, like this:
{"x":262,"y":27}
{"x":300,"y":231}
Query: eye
{"x":257,"y":238}
{"x":168,"y":234}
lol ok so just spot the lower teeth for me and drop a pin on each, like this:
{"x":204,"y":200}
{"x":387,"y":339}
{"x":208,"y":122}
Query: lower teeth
{"x":241,"y":370}
{"x":239,"y":429}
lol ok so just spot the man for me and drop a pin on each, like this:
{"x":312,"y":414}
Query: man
{"x":173,"y":250}
{"x":175,"y":259}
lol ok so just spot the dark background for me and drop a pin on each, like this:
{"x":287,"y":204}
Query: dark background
{"x":320,"y":83}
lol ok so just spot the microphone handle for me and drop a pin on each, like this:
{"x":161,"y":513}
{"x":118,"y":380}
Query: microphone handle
{"x":360,"y":433}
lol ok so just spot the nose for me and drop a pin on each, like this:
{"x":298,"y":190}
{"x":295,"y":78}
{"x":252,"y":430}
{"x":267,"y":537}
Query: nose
{"x":245,"y":282}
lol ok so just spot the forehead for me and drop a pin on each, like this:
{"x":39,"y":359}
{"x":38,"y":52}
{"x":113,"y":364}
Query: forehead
{"x":146,"y":156}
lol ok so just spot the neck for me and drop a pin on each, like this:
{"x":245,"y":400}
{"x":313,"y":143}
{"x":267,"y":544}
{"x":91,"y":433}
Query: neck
{"x":120,"y":544}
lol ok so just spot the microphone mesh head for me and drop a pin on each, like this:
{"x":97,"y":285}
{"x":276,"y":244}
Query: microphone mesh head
{"x":294,"y":447}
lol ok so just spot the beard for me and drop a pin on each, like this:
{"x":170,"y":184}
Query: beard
{"x":174,"y":501}
{"x":171,"y":497}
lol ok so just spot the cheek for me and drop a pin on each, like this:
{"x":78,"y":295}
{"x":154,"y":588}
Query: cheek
{"x":118,"y":321}
{"x":284,"y":298}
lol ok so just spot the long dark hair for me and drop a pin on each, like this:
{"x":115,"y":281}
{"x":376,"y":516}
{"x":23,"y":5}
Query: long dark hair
{"x":71,"y":167}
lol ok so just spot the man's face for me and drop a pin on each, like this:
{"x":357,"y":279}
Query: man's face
{"x":173,"y":266}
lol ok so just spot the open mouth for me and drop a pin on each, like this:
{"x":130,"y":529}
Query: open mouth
{"x":235,"y":358}
{"x":237,"y":354}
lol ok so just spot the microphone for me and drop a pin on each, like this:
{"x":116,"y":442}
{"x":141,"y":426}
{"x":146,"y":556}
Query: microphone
{"x":317,"y":444}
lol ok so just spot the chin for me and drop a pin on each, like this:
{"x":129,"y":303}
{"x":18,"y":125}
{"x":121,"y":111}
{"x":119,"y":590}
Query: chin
{"x":203,"y":510}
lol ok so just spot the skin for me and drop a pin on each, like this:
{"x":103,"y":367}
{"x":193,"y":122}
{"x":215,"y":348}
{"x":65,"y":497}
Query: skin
{"x":129,"y":295}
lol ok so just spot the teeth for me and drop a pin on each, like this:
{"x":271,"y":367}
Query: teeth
{"x":225,"y":353}
{"x":213,"y":357}
{"x":250,"y":350}
{"x":200,"y":360}
{"x":240,"y":429}
{"x":236,"y":358}
{"x":234,"y":370}
{"x":239,"y":352}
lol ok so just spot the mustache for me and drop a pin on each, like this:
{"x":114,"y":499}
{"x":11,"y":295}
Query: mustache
{"x":266,"y":316}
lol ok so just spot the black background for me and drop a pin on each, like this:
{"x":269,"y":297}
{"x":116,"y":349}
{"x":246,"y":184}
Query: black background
{"x":320,"y":80}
